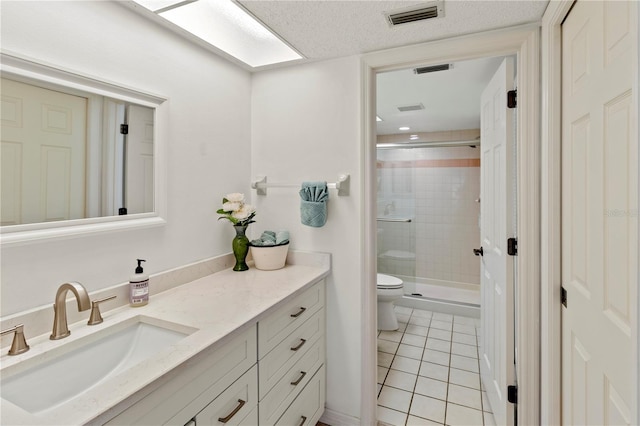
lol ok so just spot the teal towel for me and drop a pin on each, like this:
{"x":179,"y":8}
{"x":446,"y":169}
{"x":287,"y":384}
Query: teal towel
{"x":313,"y":203}
{"x":270,"y":238}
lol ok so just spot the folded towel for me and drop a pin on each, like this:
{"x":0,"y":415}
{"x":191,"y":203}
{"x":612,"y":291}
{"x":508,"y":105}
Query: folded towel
{"x":270,"y":238}
{"x":313,"y":204}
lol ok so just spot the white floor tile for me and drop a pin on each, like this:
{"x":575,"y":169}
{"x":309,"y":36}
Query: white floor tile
{"x":392,"y":336}
{"x":387,"y":346}
{"x":419,"y":421}
{"x":458,"y":319}
{"x":382,"y":373}
{"x":464,"y":378}
{"x":434,"y":371}
{"x":395,"y":399}
{"x":458,"y":415}
{"x":430,"y":387}
{"x":417,"y":329}
{"x":464,"y":363}
{"x":442,"y":325}
{"x":379,"y":388}
{"x":413,"y":340}
{"x":489,"y":420}
{"x":464,"y":396}
{"x":409,"y":351}
{"x":422,"y":313}
{"x":436,"y":357}
{"x":403,"y":318}
{"x":438,"y":345}
{"x":465,"y":329}
{"x":403,"y":310}
{"x":440,"y":334}
{"x":423,"y":321}
{"x":442,"y":317}
{"x":402,"y":326}
{"x":464,"y":350}
{"x":464,"y":338}
{"x":391,"y":417}
{"x":428,"y":408}
{"x":407,"y":365}
{"x":401,"y":380}
{"x":384,"y":359}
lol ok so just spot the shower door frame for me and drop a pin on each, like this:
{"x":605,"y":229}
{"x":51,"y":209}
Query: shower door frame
{"x":524,"y":42}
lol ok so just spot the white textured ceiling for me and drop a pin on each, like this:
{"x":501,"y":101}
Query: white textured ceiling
{"x":321,"y":29}
{"x":451,"y":98}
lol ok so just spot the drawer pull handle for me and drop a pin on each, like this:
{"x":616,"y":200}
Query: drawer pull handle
{"x":233,"y":413}
{"x":304,"y":373}
{"x":302,"y":342}
{"x":304,"y":419}
{"x":296,"y":315}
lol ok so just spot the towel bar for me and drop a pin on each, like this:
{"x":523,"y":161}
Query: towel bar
{"x":260,"y":185}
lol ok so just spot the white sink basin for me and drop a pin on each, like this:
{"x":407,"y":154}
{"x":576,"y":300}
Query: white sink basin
{"x":54,"y":377}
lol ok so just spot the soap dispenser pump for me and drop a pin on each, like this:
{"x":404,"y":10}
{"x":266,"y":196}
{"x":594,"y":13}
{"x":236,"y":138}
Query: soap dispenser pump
{"x":139,"y":286}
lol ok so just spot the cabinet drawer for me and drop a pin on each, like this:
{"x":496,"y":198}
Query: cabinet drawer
{"x":234,"y":404}
{"x":285,"y":355}
{"x":285,"y":391}
{"x":309,"y":405}
{"x":282,"y":322}
{"x":190,"y":387}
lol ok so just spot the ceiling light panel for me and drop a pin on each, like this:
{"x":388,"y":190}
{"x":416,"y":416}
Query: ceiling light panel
{"x":228,"y":27}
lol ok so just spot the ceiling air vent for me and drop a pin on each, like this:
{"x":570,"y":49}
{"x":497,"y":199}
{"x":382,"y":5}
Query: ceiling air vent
{"x":428,"y":11}
{"x":406,"y":108}
{"x":433,"y":68}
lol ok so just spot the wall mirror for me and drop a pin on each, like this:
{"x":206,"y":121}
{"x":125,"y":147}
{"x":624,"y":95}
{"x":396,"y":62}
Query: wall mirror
{"x":79,"y":155}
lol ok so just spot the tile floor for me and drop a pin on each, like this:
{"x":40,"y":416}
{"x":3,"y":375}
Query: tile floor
{"x":428,"y":371}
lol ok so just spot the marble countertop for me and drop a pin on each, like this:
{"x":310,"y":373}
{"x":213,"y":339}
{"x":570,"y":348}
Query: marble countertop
{"x":216,"y":306}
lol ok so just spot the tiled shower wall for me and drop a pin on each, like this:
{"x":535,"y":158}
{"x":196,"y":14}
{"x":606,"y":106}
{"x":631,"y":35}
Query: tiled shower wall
{"x":437,"y":188}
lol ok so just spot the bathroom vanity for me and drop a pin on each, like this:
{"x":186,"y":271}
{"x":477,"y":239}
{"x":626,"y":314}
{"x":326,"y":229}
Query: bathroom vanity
{"x":253,"y":353}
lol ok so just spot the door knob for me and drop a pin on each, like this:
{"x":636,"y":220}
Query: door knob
{"x":478,"y":252}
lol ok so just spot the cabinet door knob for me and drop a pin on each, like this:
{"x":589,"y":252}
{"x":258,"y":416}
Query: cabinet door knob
{"x":296,"y":315}
{"x":295,"y":383}
{"x":302,"y":342}
{"x":233,"y":413}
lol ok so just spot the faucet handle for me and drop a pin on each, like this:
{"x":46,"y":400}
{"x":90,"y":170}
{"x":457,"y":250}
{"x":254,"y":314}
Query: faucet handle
{"x":19,"y":344}
{"x":95,"y":317}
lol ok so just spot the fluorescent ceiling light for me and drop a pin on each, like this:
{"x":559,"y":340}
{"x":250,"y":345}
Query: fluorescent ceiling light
{"x":404,"y":128}
{"x":228,"y":27}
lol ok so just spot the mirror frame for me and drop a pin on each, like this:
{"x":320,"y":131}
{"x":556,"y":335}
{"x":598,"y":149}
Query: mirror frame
{"x":12,"y":64}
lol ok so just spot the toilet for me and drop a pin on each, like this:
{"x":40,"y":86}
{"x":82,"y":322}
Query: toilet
{"x":390,"y":289}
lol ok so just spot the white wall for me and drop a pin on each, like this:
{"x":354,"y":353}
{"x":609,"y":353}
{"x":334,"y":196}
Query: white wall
{"x":306,"y":127}
{"x":208,"y":134}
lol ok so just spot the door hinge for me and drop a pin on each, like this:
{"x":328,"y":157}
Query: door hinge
{"x":512,"y":98}
{"x":512,"y":394}
{"x":563,"y":296}
{"x":124,"y":129}
{"x":512,"y":246}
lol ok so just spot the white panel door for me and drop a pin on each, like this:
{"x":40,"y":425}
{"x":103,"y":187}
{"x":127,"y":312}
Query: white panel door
{"x":497,"y":308}
{"x":43,"y":154}
{"x":599,"y":213}
{"x":139,"y":160}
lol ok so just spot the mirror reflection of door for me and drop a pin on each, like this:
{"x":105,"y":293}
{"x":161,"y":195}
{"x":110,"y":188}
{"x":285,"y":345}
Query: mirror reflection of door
{"x":139,"y":160}
{"x":43,"y":154}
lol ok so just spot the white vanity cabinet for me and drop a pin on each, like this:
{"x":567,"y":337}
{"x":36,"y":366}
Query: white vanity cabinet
{"x":291,"y":352}
{"x":270,"y":373}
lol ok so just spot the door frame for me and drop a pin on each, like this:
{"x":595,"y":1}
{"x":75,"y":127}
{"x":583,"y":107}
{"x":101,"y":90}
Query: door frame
{"x":523,"y":41}
{"x":550,"y":227}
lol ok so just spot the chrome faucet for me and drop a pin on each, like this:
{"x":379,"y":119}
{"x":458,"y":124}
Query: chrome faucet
{"x":60,"y":327}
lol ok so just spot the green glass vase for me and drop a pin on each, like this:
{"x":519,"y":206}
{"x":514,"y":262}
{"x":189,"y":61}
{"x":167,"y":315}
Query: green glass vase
{"x":240,"y":246}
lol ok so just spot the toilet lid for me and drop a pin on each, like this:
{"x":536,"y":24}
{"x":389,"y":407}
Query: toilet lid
{"x":387,"y":281}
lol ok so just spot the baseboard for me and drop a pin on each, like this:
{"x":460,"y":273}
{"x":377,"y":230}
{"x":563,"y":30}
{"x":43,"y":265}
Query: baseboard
{"x":334,"y":418}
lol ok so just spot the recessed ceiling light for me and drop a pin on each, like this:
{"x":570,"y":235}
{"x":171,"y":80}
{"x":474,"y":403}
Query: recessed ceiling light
{"x":226,"y":26}
{"x":404,"y":128}
{"x":378,"y":118}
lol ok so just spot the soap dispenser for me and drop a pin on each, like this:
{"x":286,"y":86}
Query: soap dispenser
{"x":139,"y":287}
